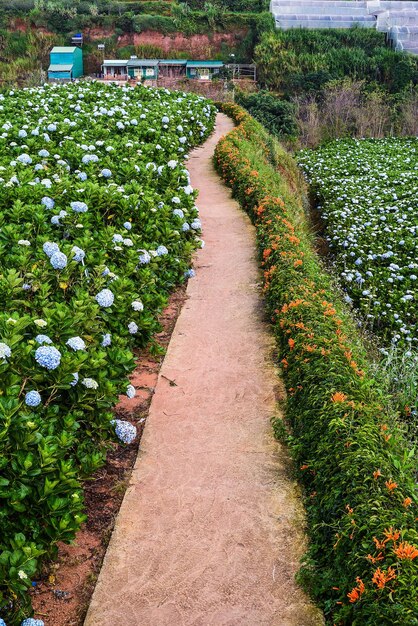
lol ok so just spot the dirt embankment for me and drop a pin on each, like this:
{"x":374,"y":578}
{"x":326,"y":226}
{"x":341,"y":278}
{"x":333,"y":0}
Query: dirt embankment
{"x":197,"y":46}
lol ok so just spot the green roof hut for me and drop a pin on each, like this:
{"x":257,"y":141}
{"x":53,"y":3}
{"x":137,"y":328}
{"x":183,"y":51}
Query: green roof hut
{"x":66,"y":63}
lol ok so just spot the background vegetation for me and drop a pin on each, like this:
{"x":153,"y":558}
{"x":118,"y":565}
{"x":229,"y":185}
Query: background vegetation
{"x":324,"y":84}
{"x":28,"y":29}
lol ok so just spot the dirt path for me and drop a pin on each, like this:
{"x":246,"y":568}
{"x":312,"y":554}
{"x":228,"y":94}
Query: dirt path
{"x":209,"y":533}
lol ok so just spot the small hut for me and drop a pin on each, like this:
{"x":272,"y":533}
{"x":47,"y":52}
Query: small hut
{"x":66,"y":63}
{"x":203,"y":70}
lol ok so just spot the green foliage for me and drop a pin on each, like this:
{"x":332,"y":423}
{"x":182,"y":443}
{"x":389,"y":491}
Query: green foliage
{"x":358,"y":473}
{"x":113,"y":150}
{"x":298,"y":61}
{"x":237,"y":6}
{"x":277,"y":115}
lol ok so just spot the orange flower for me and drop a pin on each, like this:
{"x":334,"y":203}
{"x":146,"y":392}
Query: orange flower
{"x":406,"y":551}
{"x":304,"y":467}
{"x":285,"y":363}
{"x":338,"y":397}
{"x":376,"y":474}
{"x":374,"y":559}
{"x":380,"y":545}
{"x":391,"y":485}
{"x":380,"y":577}
{"x":357,"y":592}
{"x":407,"y":502}
{"x":298,"y":263}
{"x":291,"y":343}
{"x":391,"y":535}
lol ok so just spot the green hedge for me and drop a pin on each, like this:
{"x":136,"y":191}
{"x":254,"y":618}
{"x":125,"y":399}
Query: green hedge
{"x":358,"y":475}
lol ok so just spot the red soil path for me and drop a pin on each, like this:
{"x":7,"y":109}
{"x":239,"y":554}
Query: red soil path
{"x":210,"y":530}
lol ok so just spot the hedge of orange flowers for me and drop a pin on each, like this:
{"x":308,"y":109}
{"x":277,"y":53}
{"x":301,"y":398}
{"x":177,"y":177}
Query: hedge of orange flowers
{"x":357,"y":471}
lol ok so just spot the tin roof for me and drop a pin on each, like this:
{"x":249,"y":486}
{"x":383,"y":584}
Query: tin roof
{"x":64,"y":49}
{"x":116,"y":62}
{"x":142,"y":63}
{"x":54,"y":67}
{"x":204,"y":64}
{"x":173,"y":62}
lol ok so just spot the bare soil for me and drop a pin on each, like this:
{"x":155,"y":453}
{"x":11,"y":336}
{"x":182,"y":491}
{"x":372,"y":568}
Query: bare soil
{"x":62,"y":593}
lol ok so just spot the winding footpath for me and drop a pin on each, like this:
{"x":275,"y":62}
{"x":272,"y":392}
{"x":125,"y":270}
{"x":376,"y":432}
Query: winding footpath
{"x":211,"y":529}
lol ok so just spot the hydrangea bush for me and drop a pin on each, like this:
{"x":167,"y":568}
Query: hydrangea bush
{"x":90,"y":246}
{"x":366,"y":192}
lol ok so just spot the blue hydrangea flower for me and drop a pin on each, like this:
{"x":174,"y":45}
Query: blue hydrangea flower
{"x":144,"y":258}
{"x":43,"y":153}
{"x":30,"y":621}
{"x":106,"y":271}
{"x":42,"y":339}
{"x":125,"y":431}
{"x":127,"y":225}
{"x":175,"y":200}
{"x":33,"y":398}
{"x":48,"y":357}
{"x":106,"y":340}
{"x":26,"y":287}
{"x":190,"y":273}
{"x":82,"y":176}
{"x":79,"y":207}
{"x":90,"y":383}
{"x":90,"y":158}
{"x":2,"y":622}
{"x":55,"y":220}
{"x":58,"y":260}
{"x":24,"y":158}
{"x":165,"y":119}
{"x":196,"y":224}
{"x":133,"y":328}
{"x":50,"y":248}
{"x":178,"y":213}
{"x":5,"y":351}
{"x":185,"y":227}
{"x":161,"y":251}
{"x":75,"y":381}
{"x":130,"y":391}
{"x":106,"y":173}
{"x":76,"y":343}
{"x":137,"y":305}
{"x":79,"y":254}
{"x":117,"y":238}
{"x":49,"y":203}
{"x":105,"y":298}
{"x":22,"y":133}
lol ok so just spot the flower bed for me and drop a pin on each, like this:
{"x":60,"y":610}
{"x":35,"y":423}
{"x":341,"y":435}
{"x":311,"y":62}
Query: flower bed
{"x":97,"y":224}
{"x":361,"y":498}
{"x":366,"y":190}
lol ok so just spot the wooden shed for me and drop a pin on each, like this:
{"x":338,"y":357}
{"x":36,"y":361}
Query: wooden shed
{"x":203,"y":70}
{"x":66,"y":63}
{"x":172,"y":68}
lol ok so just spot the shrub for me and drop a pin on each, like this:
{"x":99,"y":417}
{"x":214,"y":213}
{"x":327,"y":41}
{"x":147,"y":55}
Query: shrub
{"x":278,"y":116}
{"x":358,"y":475}
{"x":91,"y":244}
